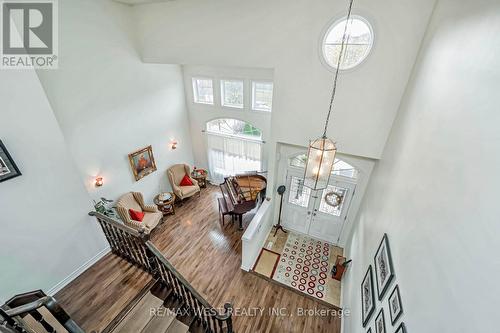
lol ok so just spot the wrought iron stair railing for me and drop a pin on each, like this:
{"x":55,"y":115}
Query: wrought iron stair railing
{"x":135,"y":247}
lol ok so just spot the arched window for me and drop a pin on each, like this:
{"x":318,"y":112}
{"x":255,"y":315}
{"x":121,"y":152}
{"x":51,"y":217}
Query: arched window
{"x":234,"y":127}
{"x":358,"y":44}
{"x":340,"y":168}
{"x":234,"y":146}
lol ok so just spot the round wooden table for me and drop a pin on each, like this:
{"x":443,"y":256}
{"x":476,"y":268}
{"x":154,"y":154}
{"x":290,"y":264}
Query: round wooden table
{"x":167,"y":207}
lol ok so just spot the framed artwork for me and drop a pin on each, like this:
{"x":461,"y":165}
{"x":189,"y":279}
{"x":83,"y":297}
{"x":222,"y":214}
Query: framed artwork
{"x":367,"y":297}
{"x":380,"y":322}
{"x":369,"y":330}
{"x":8,"y":168}
{"x":142,"y":162}
{"x":395,"y":307}
{"x":401,"y":328}
{"x":384,"y":271}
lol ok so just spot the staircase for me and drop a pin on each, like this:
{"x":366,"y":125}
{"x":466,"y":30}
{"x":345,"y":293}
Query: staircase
{"x":168,"y":305}
{"x":172,"y":304}
{"x":151,"y":315}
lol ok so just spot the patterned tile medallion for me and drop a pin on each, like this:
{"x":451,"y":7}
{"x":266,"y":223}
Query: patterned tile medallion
{"x":304,"y":265}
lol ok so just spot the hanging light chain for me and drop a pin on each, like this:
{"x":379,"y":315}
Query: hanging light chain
{"x":339,"y":61}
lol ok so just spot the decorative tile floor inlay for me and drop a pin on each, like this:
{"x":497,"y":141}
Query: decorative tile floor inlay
{"x":304,"y":265}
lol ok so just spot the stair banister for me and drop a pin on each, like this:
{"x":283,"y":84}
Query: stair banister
{"x":136,"y":247}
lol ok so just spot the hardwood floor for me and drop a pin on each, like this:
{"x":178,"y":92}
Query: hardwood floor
{"x":209,"y":256}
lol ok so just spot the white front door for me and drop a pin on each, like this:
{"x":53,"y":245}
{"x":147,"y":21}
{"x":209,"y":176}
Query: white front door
{"x":306,"y":211}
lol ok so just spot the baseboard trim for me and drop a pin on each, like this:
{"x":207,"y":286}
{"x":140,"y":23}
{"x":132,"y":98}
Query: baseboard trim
{"x":55,"y":289}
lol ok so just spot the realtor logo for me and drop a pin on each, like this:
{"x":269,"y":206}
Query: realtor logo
{"x":29,"y":34}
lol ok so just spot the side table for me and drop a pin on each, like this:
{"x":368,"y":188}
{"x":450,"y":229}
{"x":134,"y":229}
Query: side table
{"x":201,"y":179}
{"x":166,"y":206}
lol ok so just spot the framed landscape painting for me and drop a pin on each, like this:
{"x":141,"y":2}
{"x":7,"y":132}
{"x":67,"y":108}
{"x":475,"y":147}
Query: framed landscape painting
{"x":384,"y":271}
{"x":367,"y":297}
{"x":8,"y":168}
{"x":142,"y":162}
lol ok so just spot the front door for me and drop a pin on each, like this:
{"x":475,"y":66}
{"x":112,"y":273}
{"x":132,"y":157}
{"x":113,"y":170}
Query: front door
{"x":307,"y":211}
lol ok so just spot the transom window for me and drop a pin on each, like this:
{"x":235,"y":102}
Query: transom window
{"x":359,"y":42}
{"x":340,"y":167}
{"x":232,"y":93}
{"x":203,"y":91}
{"x":234,"y":127}
{"x":262,"y":96}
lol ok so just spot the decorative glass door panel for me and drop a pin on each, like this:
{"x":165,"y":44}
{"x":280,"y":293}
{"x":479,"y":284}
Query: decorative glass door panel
{"x":320,"y":214}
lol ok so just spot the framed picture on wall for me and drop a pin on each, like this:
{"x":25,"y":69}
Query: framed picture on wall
{"x":367,"y":297}
{"x":369,"y":330}
{"x":142,"y":162}
{"x":8,"y":168}
{"x":395,"y":307}
{"x":380,"y":322}
{"x":384,"y":271}
{"x":401,"y":328}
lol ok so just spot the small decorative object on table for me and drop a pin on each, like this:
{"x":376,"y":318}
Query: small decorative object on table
{"x":165,"y":202}
{"x":102,"y":207}
{"x":200,"y":175}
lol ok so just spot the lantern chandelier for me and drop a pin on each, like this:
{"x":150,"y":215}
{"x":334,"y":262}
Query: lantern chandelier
{"x":321,"y":153}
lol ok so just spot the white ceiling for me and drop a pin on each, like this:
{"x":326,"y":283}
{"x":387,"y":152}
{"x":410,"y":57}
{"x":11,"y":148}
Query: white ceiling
{"x":139,"y":2}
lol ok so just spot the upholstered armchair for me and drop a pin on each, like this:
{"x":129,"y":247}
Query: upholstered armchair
{"x":135,"y":201}
{"x":175,"y":174}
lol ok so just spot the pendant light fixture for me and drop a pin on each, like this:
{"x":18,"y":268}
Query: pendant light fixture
{"x":321,"y":153}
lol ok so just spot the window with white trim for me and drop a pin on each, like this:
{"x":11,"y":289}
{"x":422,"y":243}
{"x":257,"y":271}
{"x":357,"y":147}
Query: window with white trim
{"x":203,"y":91}
{"x":262,"y":96}
{"x":232,"y":93}
{"x":234,"y":146}
{"x":357,"y":46}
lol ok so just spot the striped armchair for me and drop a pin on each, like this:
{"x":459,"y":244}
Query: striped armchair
{"x":135,"y":201}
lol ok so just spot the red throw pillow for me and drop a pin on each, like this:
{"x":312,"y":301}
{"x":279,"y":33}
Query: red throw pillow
{"x":135,"y":215}
{"x":186,"y":181}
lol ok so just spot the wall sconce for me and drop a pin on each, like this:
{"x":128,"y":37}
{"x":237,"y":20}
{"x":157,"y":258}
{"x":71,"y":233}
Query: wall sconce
{"x":99,"y":182}
{"x":173,"y":144}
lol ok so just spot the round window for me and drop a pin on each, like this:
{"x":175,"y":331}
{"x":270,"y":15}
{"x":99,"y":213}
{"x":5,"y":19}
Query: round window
{"x":359,"y":41}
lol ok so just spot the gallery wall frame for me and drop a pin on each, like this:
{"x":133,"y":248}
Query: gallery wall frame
{"x":8,"y":168}
{"x":384,"y":269}
{"x":367,"y":297}
{"x":395,"y":305}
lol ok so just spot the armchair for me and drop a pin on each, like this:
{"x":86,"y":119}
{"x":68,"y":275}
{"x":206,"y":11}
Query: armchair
{"x":135,"y":201}
{"x":175,"y":174}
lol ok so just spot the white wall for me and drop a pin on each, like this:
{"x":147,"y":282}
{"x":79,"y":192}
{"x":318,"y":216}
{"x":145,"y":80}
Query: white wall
{"x":435,"y":191}
{"x":109,"y":104}
{"x":200,"y":114}
{"x":46,"y":233}
{"x":284,"y":35}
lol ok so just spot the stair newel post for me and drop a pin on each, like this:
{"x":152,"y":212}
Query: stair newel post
{"x":229,"y":312}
